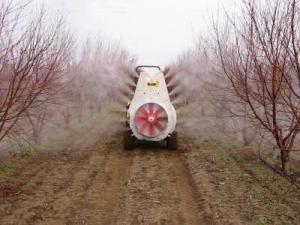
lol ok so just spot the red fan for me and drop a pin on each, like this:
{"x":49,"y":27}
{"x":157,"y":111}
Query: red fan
{"x":151,"y":120}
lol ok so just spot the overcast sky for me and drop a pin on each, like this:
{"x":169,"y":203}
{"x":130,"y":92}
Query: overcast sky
{"x":156,"y":31}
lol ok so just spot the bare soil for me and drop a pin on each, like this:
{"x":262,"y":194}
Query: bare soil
{"x":100,"y":183}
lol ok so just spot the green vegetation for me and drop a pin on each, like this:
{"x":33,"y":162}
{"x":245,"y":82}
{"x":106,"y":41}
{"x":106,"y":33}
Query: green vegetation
{"x":8,"y":169}
{"x":27,"y":151}
{"x":262,"y":221}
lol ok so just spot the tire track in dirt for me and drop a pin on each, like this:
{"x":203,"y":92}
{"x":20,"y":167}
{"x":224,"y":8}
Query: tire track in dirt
{"x":107,"y":185}
{"x":100,"y":203}
{"x":81,"y":180}
{"x":208,"y":176}
{"x":53,"y":181}
{"x":159,"y":191}
{"x":81,"y":191}
{"x":52,"y":177}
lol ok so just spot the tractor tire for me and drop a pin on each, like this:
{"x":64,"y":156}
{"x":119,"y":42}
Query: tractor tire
{"x":172,"y":142}
{"x":128,"y":140}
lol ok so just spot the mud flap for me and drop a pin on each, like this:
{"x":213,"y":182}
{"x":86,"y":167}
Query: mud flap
{"x":172,"y":142}
{"x":128,"y":140}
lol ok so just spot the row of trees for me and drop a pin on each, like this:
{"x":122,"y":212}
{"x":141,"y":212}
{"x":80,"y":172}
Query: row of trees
{"x":254,"y":60}
{"x":44,"y":80}
{"x":261,"y":62}
{"x":252,"y":72}
{"x":33,"y":58}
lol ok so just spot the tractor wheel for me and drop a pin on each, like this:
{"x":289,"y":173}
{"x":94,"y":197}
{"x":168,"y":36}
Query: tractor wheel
{"x":172,"y":142}
{"x":128,"y":140}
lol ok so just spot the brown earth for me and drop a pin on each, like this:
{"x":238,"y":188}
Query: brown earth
{"x":102,"y":184}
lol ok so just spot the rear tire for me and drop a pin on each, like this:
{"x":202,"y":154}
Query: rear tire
{"x":128,"y":140}
{"x":172,"y":142}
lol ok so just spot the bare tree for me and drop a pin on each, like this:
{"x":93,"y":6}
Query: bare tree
{"x":37,"y":120}
{"x":260,"y":64}
{"x":33,"y":59}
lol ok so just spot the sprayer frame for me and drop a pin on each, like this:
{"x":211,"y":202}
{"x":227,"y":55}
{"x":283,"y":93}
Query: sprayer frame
{"x":146,"y":66}
{"x":143,"y":95}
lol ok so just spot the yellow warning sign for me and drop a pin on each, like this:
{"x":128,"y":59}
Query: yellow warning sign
{"x":153,"y":83}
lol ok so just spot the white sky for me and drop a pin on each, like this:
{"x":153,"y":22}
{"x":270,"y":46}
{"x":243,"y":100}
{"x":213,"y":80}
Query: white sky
{"x":156,"y":31}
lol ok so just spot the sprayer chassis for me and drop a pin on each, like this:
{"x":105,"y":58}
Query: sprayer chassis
{"x":150,"y":114}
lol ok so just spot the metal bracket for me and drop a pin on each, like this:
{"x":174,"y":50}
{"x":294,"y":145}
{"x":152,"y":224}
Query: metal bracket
{"x":146,"y":66}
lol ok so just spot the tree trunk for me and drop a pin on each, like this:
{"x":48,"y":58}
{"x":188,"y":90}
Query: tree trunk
{"x":36,"y":136}
{"x":285,"y":161}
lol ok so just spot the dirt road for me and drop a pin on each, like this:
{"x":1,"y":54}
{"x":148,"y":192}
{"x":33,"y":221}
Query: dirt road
{"x":106,"y":185}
